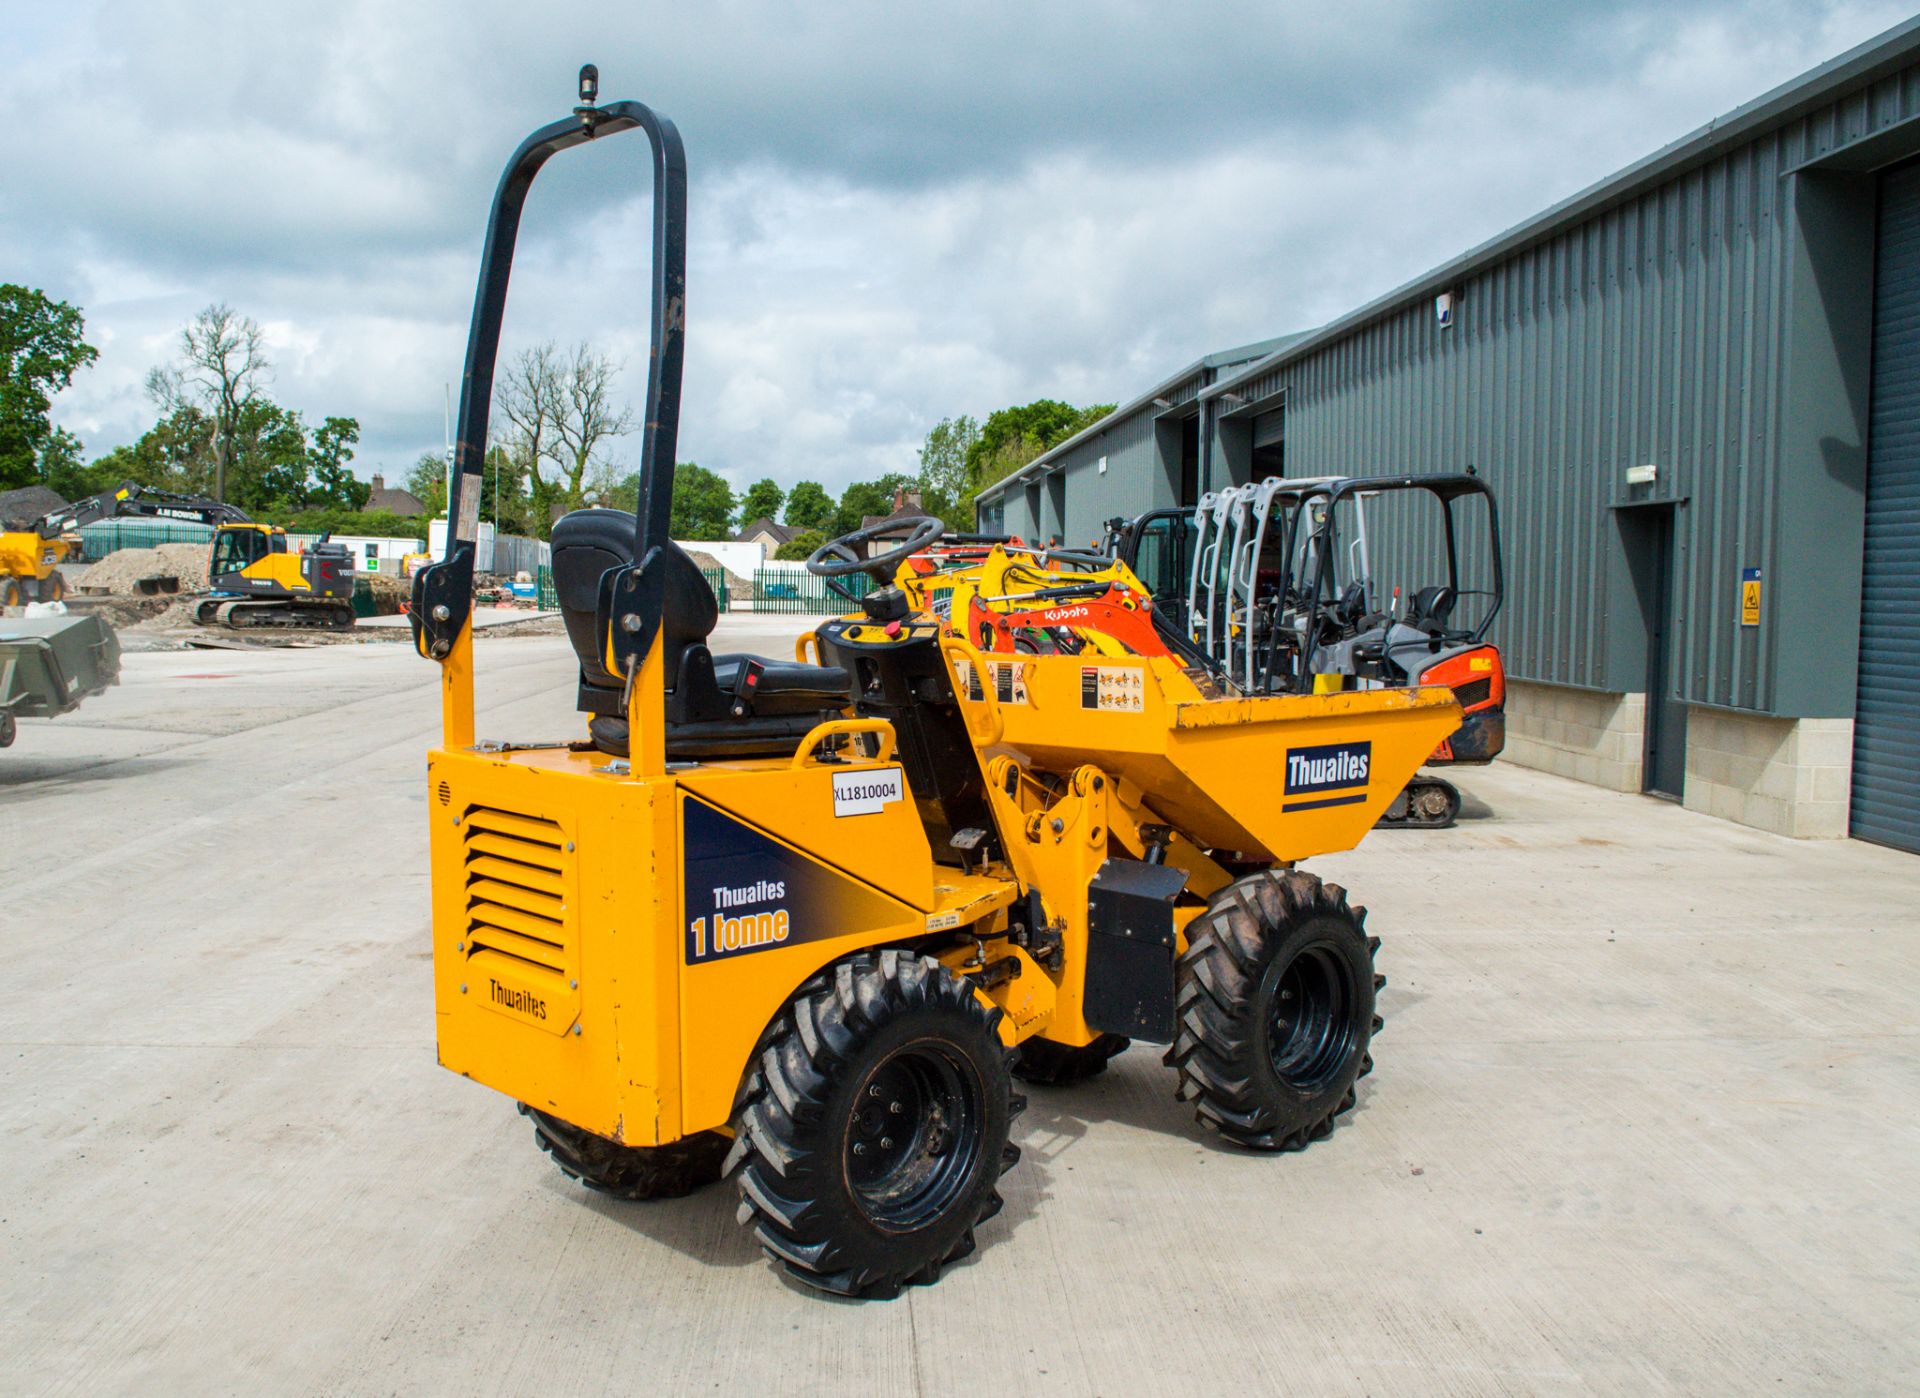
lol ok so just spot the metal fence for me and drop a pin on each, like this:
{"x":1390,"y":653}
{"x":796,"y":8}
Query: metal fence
{"x":514,"y":554}
{"x":549,"y":596}
{"x":798,"y":591}
{"x":110,"y":536}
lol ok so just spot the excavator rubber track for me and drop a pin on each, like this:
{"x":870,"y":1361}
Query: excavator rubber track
{"x":1425,"y":803}
{"x":243,"y":614}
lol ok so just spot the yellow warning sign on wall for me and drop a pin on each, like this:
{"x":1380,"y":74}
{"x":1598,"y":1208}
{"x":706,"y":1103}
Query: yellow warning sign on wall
{"x":1749,"y":596}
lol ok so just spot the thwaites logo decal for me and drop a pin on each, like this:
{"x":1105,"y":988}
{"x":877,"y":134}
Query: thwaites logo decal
{"x":1331,"y":767}
{"x":746,"y":892}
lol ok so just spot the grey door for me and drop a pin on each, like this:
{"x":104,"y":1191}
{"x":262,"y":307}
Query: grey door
{"x":1886,"y":728}
{"x":1665,"y":772}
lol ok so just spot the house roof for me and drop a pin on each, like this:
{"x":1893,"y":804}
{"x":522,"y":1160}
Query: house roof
{"x":779,"y":533}
{"x":399,"y":502}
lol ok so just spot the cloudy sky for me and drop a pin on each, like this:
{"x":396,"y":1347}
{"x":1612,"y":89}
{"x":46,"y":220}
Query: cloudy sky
{"x":898,"y":212}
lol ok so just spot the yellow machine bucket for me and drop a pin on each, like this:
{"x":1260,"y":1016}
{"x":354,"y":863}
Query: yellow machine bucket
{"x":1283,"y":777}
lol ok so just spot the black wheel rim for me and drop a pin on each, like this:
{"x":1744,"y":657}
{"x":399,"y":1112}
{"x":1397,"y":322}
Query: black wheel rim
{"x":915,"y":1136}
{"x":1310,"y":1030}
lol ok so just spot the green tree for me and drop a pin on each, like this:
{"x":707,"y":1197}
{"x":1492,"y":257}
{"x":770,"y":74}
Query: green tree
{"x":266,"y":461}
{"x":1012,"y":437}
{"x":800,"y":547}
{"x":427,"y":482}
{"x":946,"y":488}
{"x":808,"y":505}
{"x":221,"y":368}
{"x":40,"y":351}
{"x":176,"y":453}
{"x":329,"y":452}
{"x":559,"y":407}
{"x":864,"y":498}
{"x":702,"y":504}
{"x":763,"y":497}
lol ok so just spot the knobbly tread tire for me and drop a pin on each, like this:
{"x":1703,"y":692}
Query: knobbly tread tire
{"x":1220,"y":1040}
{"x":630,"y":1172}
{"x":1055,"y":1065}
{"x":793,"y":1117}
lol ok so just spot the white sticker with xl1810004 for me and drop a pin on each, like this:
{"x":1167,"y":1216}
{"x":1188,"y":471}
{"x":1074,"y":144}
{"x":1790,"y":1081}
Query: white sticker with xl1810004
{"x":866,"y":793}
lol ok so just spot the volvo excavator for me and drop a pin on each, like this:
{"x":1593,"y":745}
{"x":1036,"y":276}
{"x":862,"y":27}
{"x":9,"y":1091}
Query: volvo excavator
{"x":255,"y":579}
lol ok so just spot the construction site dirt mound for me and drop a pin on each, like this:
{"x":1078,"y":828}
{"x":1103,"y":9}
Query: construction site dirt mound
{"x":388,"y":592}
{"x":119,"y":573}
{"x":738,"y":589}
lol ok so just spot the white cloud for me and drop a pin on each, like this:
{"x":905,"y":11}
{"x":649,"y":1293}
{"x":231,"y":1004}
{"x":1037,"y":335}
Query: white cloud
{"x":895,"y":216}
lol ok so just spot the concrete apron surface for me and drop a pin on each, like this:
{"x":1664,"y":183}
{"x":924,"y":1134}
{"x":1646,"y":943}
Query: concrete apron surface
{"x":1644,"y":1118}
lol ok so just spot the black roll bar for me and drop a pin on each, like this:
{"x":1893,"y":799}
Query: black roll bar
{"x":443,"y":591}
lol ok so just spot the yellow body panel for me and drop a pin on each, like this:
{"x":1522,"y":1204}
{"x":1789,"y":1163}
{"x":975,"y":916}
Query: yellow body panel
{"x":565,"y":971}
{"x":281,"y":569}
{"x":24,"y":554}
{"x":1215,"y":768}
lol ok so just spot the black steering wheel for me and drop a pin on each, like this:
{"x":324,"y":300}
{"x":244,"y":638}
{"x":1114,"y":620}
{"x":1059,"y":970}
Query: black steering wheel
{"x":838,"y":557}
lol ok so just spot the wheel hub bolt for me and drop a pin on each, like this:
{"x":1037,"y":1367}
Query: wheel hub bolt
{"x":896,"y":1108}
{"x":874,"y":1090}
{"x":886,"y":1143}
{"x":859,"y":1147}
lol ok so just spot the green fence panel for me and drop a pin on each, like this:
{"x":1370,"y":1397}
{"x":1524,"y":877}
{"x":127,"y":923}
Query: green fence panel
{"x":717,"y":580}
{"x":796,"y":591}
{"x":110,"y":536}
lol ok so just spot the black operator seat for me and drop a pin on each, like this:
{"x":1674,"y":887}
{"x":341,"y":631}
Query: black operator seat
{"x":716,"y":704}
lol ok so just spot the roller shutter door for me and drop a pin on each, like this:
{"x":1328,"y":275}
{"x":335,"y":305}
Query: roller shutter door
{"x":1886,"y":733}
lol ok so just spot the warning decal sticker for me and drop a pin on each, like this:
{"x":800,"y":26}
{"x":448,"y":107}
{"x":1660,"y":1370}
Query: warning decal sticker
{"x":1115,"y":688}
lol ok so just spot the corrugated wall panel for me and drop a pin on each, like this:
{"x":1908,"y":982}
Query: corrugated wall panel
{"x":1645,"y":335}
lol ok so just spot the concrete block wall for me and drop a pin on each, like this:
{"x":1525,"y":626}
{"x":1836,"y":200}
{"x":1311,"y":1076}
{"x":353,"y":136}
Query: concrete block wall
{"x":1789,"y":776}
{"x":1578,"y":733}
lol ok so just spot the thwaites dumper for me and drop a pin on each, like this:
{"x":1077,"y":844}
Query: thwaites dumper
{"x":803,"y":921}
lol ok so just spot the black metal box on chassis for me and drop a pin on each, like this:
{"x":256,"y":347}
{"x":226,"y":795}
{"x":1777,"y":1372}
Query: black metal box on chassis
{"x":1130,"y":943}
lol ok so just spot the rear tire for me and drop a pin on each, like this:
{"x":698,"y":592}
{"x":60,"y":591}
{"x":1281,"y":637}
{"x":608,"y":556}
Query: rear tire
{"x":10,"y":593}
{"x":871,"y":1132}
{"x":53,"y":588}
{"x":1276,"y":1010}
{"x":629,"y":1172}
{"x":1056,"y":1065}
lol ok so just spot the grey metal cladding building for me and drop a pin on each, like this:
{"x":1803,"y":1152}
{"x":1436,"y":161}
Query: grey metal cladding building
{"x":1740,"y":311}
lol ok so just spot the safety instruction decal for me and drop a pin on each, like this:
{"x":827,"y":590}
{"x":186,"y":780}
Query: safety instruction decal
{"x":1749,"y":596}
{"x":1114,"y":688}
{"x":1008,"y":678}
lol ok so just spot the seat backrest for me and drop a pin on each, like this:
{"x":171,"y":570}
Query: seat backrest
{"x":1432,"y":608}
{"x":588,"y":542}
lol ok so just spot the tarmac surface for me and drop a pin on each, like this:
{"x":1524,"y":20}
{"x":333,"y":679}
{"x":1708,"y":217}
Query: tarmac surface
{"x":1644,"y":1118}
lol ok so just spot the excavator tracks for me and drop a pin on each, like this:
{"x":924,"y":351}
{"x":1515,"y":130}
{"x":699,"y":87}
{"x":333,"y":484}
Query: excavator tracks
{"x":1426,"y":803}
{"x":242,"y":614}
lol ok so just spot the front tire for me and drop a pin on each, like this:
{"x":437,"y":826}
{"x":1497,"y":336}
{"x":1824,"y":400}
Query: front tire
{"x":629,"y":1172}
{"x":1276,"y":1010}
{"x":871,"y":1132}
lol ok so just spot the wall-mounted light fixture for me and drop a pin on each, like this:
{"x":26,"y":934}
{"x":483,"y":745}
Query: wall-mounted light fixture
{"x":1642,"y":475}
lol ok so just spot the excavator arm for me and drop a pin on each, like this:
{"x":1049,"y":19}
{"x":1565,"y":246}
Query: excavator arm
{"x":139,"y":502}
